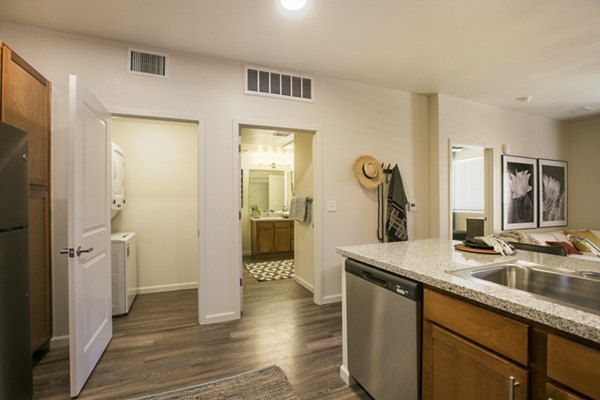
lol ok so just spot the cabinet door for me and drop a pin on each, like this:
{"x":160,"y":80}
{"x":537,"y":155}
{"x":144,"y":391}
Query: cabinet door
{"x":556,"y":393}
{"x":283,"y":238}
{"x":265,"y":238}
{"x":574,"y":365}
{"x":463,"y":370}
{"x":39,"y":268}
{"x":25,"y":104}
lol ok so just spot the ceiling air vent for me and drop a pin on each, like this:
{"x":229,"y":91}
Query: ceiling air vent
{"x":147,"y":63}
{"x":273,"y":83}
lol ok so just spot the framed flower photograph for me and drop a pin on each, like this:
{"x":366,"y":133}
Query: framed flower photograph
{"x":552,"y":188}
{"x":519,"y":193}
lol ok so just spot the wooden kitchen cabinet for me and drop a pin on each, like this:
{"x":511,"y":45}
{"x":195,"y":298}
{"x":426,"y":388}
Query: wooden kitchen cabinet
{"x":25,"y":104}
{"x":471,"y":351}
{"x":555,"y":393}
{"x":272,"y":237}
{"x":463,"y":370}
{"x":574,"y":365}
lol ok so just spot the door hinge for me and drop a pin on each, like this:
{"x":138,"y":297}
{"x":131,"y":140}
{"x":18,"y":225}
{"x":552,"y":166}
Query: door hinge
{"x":240,"y":281}
{"x":240,"y":215}
{"x":239,"y":148}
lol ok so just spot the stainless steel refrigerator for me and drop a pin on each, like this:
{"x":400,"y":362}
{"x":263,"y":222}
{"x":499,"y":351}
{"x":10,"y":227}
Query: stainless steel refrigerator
{"x":15,"y":323}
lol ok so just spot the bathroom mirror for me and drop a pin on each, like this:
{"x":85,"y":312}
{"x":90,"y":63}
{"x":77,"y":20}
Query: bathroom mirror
{"x":267,"y":189}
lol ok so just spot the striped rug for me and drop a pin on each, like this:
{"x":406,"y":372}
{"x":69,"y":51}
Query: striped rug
{"x":268,"y":383}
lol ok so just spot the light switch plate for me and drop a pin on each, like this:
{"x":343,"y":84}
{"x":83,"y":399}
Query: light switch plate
{"x":331,"y":206}
{"x":412,"y":207}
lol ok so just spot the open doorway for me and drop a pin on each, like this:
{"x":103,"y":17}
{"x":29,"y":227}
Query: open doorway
{"x":161,"y":204}
{"x":471,"y":189}
{"x":277,"y":169}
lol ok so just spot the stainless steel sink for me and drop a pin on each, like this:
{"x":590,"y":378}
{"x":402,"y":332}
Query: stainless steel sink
{"x":554,"y":284}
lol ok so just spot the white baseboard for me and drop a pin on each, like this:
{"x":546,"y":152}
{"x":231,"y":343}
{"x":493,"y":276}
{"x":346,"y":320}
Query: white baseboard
{"x":222,"y":317}
{"x":59,"y":341}
{"x":305,"y":284}
{"x":345,"y":375}
{"x":167,"y":288}
{"x":334,"y":298}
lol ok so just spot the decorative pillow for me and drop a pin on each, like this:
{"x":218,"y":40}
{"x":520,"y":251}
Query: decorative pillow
{"x":585,"y":234}
{"x":566,"y":245}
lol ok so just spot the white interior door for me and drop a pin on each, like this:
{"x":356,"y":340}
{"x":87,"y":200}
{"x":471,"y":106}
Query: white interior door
{"x":90,"y":312}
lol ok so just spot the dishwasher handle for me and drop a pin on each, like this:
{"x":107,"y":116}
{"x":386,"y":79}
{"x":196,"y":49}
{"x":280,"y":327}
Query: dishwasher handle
{"x":373,"y":279}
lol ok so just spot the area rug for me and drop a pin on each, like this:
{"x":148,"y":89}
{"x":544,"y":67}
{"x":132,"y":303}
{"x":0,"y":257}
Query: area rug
{"x":271,"y":270}
{"x":268,"y":383}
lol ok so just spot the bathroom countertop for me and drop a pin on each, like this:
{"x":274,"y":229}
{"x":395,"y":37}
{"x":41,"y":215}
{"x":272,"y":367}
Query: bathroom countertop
{"x":428,"y":260}
{"x":270,"y":219}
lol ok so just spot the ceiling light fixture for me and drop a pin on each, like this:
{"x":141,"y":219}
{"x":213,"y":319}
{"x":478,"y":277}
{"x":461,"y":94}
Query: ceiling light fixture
{"x":293,"y":5}
{"x":524,"y":99}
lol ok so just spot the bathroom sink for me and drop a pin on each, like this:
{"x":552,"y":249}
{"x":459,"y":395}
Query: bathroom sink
{"x":579,"y":290}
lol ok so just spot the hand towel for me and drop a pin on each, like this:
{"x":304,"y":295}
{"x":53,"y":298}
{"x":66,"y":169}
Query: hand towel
{"x":300,"y":209}
{"x":396,"y":225}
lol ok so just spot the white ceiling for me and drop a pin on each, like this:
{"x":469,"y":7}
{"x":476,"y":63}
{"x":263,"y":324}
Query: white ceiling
{"x":488,"y":51}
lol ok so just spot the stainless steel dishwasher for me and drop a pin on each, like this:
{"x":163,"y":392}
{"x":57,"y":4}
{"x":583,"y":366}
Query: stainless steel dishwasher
{"x":383,"y":315}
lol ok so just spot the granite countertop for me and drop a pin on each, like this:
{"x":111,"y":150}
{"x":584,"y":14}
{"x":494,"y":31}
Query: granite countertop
{"x":428,"y":260}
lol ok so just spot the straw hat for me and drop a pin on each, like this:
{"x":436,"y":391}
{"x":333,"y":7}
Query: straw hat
{"x":368,"y":171}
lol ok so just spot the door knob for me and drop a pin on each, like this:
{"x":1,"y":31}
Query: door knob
{"x":80,"y":250}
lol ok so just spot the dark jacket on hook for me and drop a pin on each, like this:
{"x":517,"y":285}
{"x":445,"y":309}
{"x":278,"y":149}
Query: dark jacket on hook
{"x":396,"y":225}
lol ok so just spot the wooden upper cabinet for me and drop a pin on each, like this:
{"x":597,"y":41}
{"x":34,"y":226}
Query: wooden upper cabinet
{"x":25,"y":104}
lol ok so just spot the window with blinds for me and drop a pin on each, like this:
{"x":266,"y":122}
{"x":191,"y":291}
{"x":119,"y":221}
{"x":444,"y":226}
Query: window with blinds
{"x":468,"y":192}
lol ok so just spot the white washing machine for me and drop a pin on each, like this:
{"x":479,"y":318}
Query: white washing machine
{"x":124,"y":271}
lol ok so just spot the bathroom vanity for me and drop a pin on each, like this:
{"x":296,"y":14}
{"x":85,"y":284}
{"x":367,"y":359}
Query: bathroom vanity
{"x":272,"y":236}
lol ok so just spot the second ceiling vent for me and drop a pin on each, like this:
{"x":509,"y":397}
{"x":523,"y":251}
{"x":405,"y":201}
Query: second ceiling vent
{"x":147,"y":63}
{"x":266,"y":82}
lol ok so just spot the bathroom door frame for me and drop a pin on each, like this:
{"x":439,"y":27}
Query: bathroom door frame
{"x":200,"y":120}
{"x":238,"y":123}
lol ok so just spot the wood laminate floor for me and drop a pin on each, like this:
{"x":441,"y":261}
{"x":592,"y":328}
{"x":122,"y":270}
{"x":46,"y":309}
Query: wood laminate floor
{"x":160,"y":346}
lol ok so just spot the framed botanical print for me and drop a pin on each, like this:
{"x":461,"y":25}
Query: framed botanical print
{"x":519,"y":193}
{"x":552,"y":188}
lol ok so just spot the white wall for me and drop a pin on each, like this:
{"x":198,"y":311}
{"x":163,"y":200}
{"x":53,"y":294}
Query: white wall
{"x":351,"y":119}
{"x":161,"y":190}
{"x":584,"y":167}
{"x":473,"y":123}
{"x":304,"y":234}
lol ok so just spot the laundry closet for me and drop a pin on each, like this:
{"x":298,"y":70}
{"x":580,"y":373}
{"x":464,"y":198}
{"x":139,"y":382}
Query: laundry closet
{"x":154,"y":208}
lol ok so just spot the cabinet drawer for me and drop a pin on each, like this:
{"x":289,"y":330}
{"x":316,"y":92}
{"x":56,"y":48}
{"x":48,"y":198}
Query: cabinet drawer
{"x":574,"y":365}
{"x":282,"y":225}
{"x":494,"y":331}
{"x":556,"y":393}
